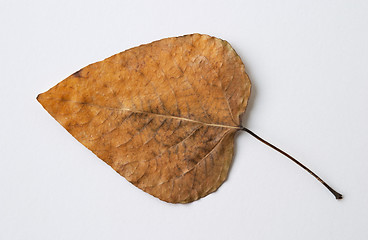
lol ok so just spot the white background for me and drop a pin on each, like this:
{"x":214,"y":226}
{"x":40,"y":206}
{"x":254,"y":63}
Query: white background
{"x":308,"y":62}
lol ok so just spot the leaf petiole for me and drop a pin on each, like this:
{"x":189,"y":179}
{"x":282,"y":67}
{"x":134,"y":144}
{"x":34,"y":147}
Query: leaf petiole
{"x":336,"y":194}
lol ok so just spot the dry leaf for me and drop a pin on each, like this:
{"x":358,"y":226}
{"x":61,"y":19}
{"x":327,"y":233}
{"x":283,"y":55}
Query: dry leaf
{"x":163,"y":115}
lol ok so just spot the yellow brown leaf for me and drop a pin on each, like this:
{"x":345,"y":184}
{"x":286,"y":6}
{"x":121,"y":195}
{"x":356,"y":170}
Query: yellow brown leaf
{"x":163,"y":115}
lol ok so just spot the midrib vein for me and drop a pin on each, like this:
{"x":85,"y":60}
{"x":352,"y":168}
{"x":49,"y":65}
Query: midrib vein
{"x":149,"y":113}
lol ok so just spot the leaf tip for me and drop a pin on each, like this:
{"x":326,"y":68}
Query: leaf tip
{"x":39,"y":98}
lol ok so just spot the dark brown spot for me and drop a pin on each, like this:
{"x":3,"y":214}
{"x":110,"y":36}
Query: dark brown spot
{"x":77,"y":74}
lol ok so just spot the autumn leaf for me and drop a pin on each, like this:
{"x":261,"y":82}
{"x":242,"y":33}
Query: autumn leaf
{"x":163,"y":115}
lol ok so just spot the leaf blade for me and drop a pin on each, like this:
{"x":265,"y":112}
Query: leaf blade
{"x":177,"y":101}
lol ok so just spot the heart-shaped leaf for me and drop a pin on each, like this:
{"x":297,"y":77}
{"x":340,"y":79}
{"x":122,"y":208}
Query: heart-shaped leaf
{"x":163,"y":115}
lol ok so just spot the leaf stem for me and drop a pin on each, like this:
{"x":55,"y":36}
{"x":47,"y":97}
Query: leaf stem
{"x":336,"y":194}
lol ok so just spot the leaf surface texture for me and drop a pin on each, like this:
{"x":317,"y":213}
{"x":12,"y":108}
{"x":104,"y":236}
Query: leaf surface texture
{"x":163,"y":115}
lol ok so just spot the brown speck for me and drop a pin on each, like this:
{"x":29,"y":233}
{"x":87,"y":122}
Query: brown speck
{"x":77,"y":74}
